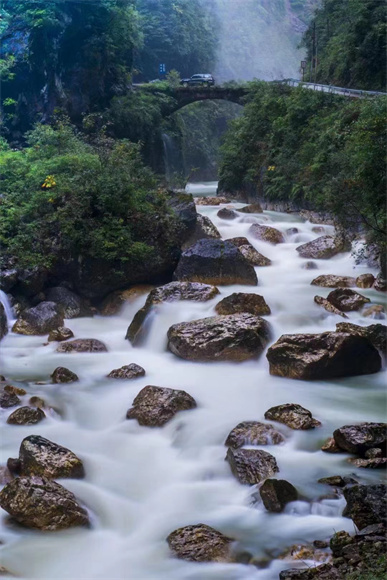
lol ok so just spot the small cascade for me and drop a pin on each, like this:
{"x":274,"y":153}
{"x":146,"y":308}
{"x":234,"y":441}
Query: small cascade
{"x":7,"y":307}
{"x":172,"y":161}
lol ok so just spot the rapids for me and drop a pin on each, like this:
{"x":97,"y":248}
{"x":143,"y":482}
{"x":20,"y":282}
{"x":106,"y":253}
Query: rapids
{"x":143,"y":483}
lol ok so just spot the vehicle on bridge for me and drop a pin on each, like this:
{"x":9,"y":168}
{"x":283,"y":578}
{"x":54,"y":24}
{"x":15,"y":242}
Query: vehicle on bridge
{"x":198,"y":79}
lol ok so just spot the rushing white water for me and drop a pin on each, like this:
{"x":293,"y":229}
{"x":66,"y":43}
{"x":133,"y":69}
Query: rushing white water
{"x":7,"y":307}
{"x":142,"y":483}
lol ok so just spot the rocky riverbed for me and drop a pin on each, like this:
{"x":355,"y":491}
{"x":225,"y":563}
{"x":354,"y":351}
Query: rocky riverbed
{"x":187,"y":425}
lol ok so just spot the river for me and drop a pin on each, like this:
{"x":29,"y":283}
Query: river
{"x":143,"y":483}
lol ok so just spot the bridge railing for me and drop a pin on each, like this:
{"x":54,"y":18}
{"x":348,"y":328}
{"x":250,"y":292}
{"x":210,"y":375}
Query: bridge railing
{"x":356,"y":93}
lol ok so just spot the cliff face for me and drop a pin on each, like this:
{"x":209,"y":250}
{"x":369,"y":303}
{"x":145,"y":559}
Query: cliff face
{"x":260,"y":38}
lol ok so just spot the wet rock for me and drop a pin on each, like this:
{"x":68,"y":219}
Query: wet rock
{"x":215,"y":262}
{"x":376,"y":311}
{"x":211,"y":200}
{"x":266,"y":234}
{"x":337,"y":481}
{"x":309,"y":265}
{"x":39,"y":320}
{"x":328,"y":306}
{"x":375,"y":333}
{"x":204,"y":229}
{"x":155,"y":406}
{"x":39,"y":456}
{"x":37,"y":402}
{"x":60,"y":334}
{"x":249,"y":252}
{"x":200,"y":543}
{"x":82,"y":345}
{"x":131,"y":371}
{"x":63,"y":375}
{"x":242,"y":302}
{"x":3,"y":322}
{"x":276,"y":493}
{"x":321,"y":544}
{"x":318,"y":229}
{"x":30,"y":282}
{"x":366,"y":504}
{"x":73,"y":306}
{"x":361,"y":556}
{"x":322,"y":248}
{"x":5,"y":475}
{"x":116,"y":300}
{"x":380,"y":284}
{"x":252,"y":208}
{"x":26,"y":416}
{"x":172,"y":292}
{"x":15,"y":390}
{"x":332,"y":281}
{"x":251,"y":466}
{"x":37,"y":502}
{"x":8,"y":400}
{"x":358,"y":438}
{"x":365,"y":281}
{"x":227,"y":214}
{"x":330,"y":446}
{"x":347,"y":300}
{"x":292,"y":415}
{"x":8,"y":279}
{"x":253,"y":433}
{"x":322,"y":356}
{"x":323,"y":572}
{"x":373,"y":453}
{"x":292,"y":231}
{"x":373,"y":463}
{"x":235,"y":337}
{"x":240,"y":241}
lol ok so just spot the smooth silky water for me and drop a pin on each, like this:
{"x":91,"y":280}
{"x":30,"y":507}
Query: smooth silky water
{"x":142,"y":483}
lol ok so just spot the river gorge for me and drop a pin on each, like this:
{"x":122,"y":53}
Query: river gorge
{"x":141,"y":483}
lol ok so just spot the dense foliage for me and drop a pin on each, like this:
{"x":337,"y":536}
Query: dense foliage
{"x":306,"y":146}
{"x":64,"y":198}
{"x":347,"y":42}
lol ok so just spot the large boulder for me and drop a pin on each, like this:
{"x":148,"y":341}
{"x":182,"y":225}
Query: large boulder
{"x":26,"y":416}
{"x":249,"y":252}
{"x":375,"y":333}
{"x":322,"y":248}
{"x":332,"y":281}
{"x":235,"y":337}
{"x":215,"y":262}
{"x":3,"y":321}
{"x":200,"y":543}
{"x":131,"y":371}
{"x":39,"y":456}
{"x":82,"y":345}
{"x":72,"y":305}
{"x":366,"y":504}
{"x":252,"y":208}
{"x":204,"y":229}
{"x":37,"y":502}
{"x":251,"y":466}
{"x":155,"y":406}
{"x":359,"y":438}
{"x":172,"y":292}
{"x":347,"y":300}
{"x":266,"y":234}
{"x":39,"y":320}
{"x":292,"y":415}
{"x":276,"y":493}
{"x":253,"y":433}
{"x":328,"y":306}
{"x":243,"y":302}
{"x":322,"y":356}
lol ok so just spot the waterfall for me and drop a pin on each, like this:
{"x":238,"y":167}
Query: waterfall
{"x":7,"y":307}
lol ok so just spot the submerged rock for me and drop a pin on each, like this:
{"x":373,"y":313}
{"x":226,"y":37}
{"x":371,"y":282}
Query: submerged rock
{"x":200,"y":543}
{"x":243,"y":302}
{"x":347,"y":300}
{"x":39,"y":456}
{"x":227,"y":214}
{"x":322,"y":356}
{"x":37,"y":502}
{"x":266,"y":234}
{"x":365,"y":281}
{"x":63,"y":375}
{"x":328,"y":306}
{"x":375,"y":333}
{"x":276,"y":493}
{"x":39,"y":320}
{"x":131,"y":371}
{"x":366,"y":504}
{"x":253,"y":433}
{"x":359,"y":438}
{"x":322,"y":248}
{"x":215,"y":262}
{"x":172,"y":292}
{"x":155,"y":406}
{"x":292,"y":415}
{"x":82,"y":345}
{"x":26,"y":416}
{"x":376,"y":311}
{"x":235,"y":337}
{"x":251,"y":466}
{"x":332,"y":281}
